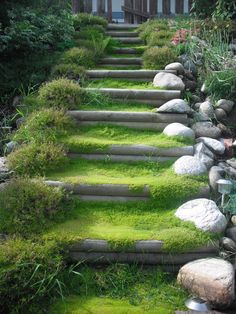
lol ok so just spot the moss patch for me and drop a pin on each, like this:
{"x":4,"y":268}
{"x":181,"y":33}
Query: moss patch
{"x":116,"y":83}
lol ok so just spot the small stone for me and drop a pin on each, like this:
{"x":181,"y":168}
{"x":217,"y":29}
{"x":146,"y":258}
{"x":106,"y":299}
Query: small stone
{"x":216,"y":173}
{"x":189,"y":76}
{"x":190,"y":85}
{"x":228,"y":244}
{"x":3,"y":164}
{"x":206,"y":129}
{"x":211,"y":279}
{"x":220,"y":114}
{"x":231,"y":233}
{"x":175,"y":106}
{"x":189,"y":165}
{"x":177,"y":66}
{"x":190,"y":66}
{"x":168,"y":81}
{"x":200,"y":117}
{"x":204,"y":88}
{"x":226,"y":105}
{"x":196,"y":106}
{"x":207,"y":108}
{"x":178,"y":129}
{"x":196,"y":99}
{"x":231,"y":162}
{"x":204,"y":214}
{"x":233,"y":220}
{"x":19,"y":122}
{"x":214,"y":145}
{"x":11,"y":146}
{"x":226,"y":132}
{"x":202,"y":152}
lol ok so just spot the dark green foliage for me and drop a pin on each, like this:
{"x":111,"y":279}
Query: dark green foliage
{"x":44,"y":125}
{"x":70,"y":71}
{"x":157,"y":58}
{"x":202,"y":8}
{"x":80,"y":56}
{"x":61,"y":94}
{"x":84,"y":19}
{"x":34,"y":159}
{"x":147,"y":28}
{"x":29,"y":206}
{"x":90,"y":32}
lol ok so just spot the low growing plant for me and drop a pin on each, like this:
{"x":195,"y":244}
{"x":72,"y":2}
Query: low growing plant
{"x":80,"y":56}
{"x":84,"y":19}
{"x":159,"y":38}
{"x":157,"y":58}
{"x":61,"y":94}
{"x":70,"y":71}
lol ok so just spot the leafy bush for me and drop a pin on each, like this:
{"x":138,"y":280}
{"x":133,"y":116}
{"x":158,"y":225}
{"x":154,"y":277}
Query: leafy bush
{"x":222,"y":84}
{"x":62,"y":94}
{"x":147,"y":28}
{"x":70,"y":71}
{"x":79,"y":56}
{"x":89,"y":32}
{"x":84,"y":19}
{"x":35,"y":159}
{"x":29,"y":206}
{"x":160,"y":38}
{"x":31,"y":273}
{"x":157,"y":58}
{"x":44,"y":124}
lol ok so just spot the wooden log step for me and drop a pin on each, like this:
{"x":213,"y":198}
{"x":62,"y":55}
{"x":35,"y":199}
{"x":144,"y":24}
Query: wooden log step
{"x":123,"y":116}
{"x":107,"y":198}
{"x":121,"y":26}
{"x":125,"y":51}
{"x":147,"y":75}
{"x":130,"y":40}
{"x":147,"y":151}
{"x":126,"y":61}
{"x":121,"y":34}
{"x":120,"y":66}
{"x":138,"y":94}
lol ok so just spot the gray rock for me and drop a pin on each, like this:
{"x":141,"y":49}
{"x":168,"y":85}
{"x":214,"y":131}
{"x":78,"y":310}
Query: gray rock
{"x":228,"y":244}
{"x":19,"y":122}
{"x":202,"y":152}
{"x":231,"y":162}
{"x":233,"y":220}
{"x":226,"y":105}
{"x":214,"y":145}
{"x":231,"y":233}
{"x":183,"y":58}
{"x":204,"y":214}
{"x":3,"y":165}
{"x":225,"y":131}
{"x":220,"y":114}
{"x":168,"y":81}
{"x":207,"y":108}
{"x":206,"y":129}
{"x":204,"y":88}
{"x":178,"y":129}
{"x":189,"y":165}
{"x":196,"y":99}
{"x":175,"y":106}
{"x":190,"y":85}
{"x":11,"y":146}
{"x":211,"y":279}
{"x":216,"y":173}
{"x":190,"y":66}
{"x":196,"y":105}
{"x":200,"y":117}
{"x":177,"y":66}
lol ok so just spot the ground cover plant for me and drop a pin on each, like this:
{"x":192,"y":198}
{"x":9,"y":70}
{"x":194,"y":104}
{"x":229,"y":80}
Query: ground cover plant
{"x":158,"y":58}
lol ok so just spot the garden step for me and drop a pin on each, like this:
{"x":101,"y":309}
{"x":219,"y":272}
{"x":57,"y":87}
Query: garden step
{"x":119,"y":66}
{"x":122,"y":34}
{"x":128,"y":61}
{"x":130,"y":40}
{"x":114,"y":192}
{"x":125,"y":51}
{"x":122,"y":26}
{"x":142,"y":75}
{"x":154,"y":97}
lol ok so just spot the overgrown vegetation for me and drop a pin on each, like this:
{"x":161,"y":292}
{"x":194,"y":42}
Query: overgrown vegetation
{"x":158,"y":58}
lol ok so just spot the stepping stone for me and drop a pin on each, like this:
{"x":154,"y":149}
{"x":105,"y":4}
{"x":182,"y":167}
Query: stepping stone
{"x":122,"y":34}
{"x":131,"y":61}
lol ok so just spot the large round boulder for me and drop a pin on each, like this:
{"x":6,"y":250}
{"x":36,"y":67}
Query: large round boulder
{"x":189,"y":165}
{"x":215,"y":146}
{"x":175,"y":106}
{"x":178,"y":129}
{"x":204,"y":214}
{"x":206,"y":129}
{"x":176,"y":66}
{"x":207,"y":108}
{"x":168,"y":81}
{"x":226,"y":105}
{"x":211,"y":279}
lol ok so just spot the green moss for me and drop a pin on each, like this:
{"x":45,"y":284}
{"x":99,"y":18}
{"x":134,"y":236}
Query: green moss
{"x":157,"y":58}
{"x":61,"y":94}
{"x":96,"y":138}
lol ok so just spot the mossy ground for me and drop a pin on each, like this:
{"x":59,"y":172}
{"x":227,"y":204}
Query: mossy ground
{"x":116,"y":106}
{"x":96,"y":138}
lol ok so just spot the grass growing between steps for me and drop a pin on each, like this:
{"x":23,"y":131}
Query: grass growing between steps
{"x":116,"y":83}
{"x":123,"y":289}
{"x":123,"y":223}
{"x":116,"y":106}
{"x":96,"y":138}
{"x":119,"y":67}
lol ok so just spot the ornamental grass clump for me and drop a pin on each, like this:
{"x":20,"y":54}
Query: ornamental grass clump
{"x":84,"y":19}
{"x":71,"y":71}
{"x":157,"y":58}
{"x":61,"y":94}
{"x":34,"y":159}
{"x":159,"y":38}
{"x":80,"y":56}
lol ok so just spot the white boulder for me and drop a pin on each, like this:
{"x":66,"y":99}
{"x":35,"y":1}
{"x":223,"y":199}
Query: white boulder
{"x":168,"y":81}
{"x":175,"y":106}
{"x":214,"y":145}
{"x":176,"y":66}
{"x":189,"y":165}
{"x":178,"y":129}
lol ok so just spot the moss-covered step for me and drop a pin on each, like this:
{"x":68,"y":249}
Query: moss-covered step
{"x":151,"y":96}
{"x":122,"y":34}
{"x":129,"y":40}
{"x":127,"y":50}
{"x":143,"y":75}
{"x":116,"y":26}
{"x":118,"y":61}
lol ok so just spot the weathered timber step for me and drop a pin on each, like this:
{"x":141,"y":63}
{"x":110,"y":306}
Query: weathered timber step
{"x":122,"y":26}
{"x":146,"y":150}
{"x":144,"y":252}
{"x":114,"y":192}
{"x":130,"y":40}
{"x":122,"y":34}
{"x":120,"y":66}
{"x":154,"y":97}
{"x":125,"y":51}
{"x":126,"y":61}
{"x":134,"y":120}
{"x":145,"y":75}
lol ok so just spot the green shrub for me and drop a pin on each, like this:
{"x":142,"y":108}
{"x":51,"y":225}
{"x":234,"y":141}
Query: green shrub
{"x":31,"y":273}
{"x":79,"y":56}
{"x":90,"y":32}
{"x":44,"y":124}
{"x":160,"y":38}
{"x":61,"y":94}
{"x":222,"y":84}
{"x":84,"y":19}
{"x":29,"y":206}
{"x":70,"y":71}
{"x":147,"y":28}
{"x":35,"y":159}
{"x":157,"y":58}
